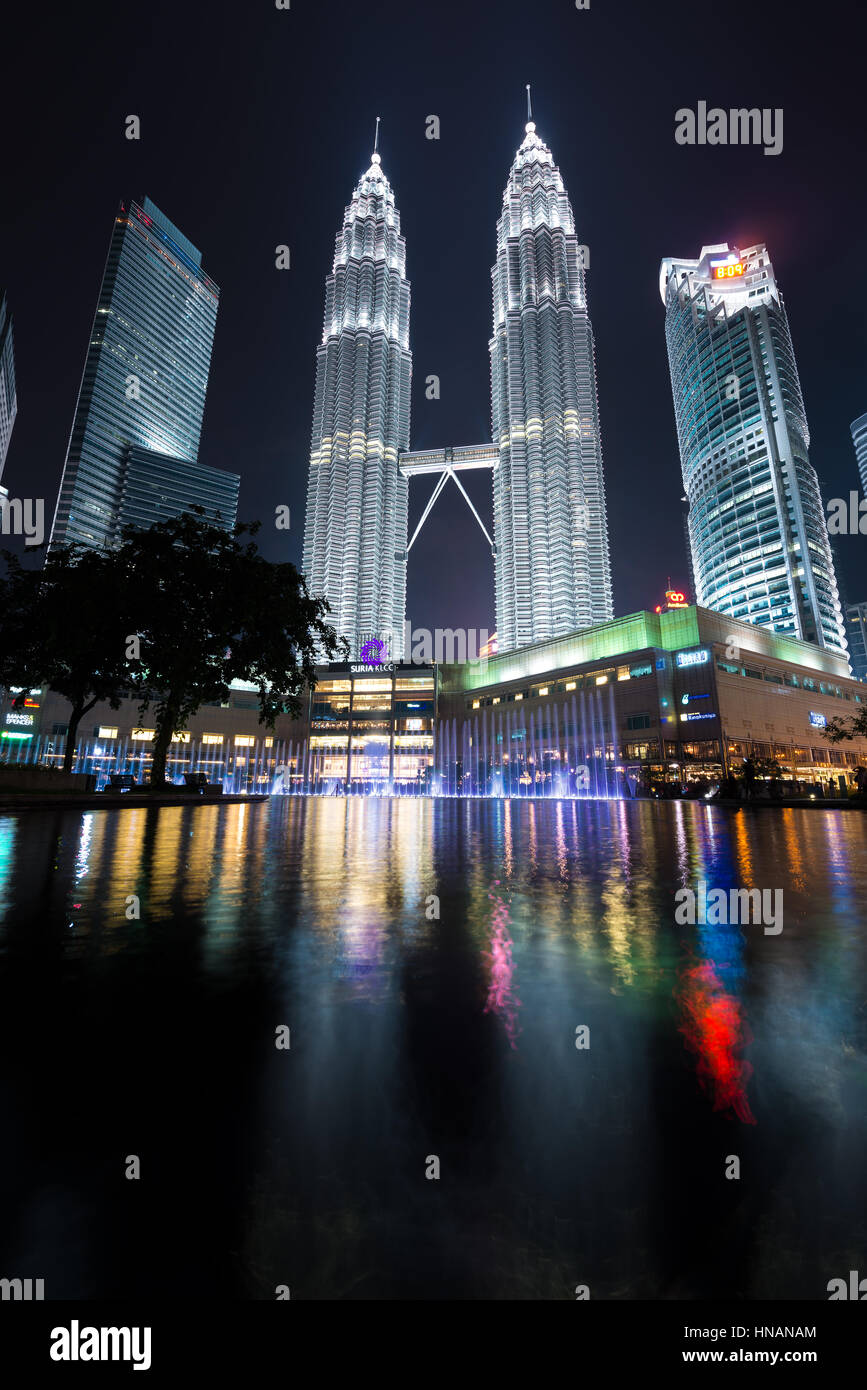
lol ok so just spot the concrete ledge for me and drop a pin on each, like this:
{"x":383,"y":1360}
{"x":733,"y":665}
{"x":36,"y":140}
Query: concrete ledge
{"x":17,"y":778}
{"x":116,"y":801}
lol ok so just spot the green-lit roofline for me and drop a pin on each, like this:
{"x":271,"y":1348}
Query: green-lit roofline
{"x":672,"y":631}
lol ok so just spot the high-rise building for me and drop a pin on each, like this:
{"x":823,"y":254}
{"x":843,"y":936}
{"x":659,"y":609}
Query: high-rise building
{"x":142,"y":395}
{"x":758,"y":532}
{"x":552,"y":565}
{"x":355,"y":534}
{"x":8,"y":395}
{"x":859,"y":439}
{"x":856,"y":634}
{"x":157,"y":487}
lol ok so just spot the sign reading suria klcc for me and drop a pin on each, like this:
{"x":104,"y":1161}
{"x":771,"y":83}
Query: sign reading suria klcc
{"x":818,"y":721}
{"x":699,"y":658}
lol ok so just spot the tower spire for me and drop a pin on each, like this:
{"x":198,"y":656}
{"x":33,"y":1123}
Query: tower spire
{"x":530,"y":126}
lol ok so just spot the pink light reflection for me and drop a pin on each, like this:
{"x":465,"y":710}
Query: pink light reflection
{"x":501,"y":997}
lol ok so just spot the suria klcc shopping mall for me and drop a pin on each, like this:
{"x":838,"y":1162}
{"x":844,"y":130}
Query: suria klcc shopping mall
{"x":651,"y":700}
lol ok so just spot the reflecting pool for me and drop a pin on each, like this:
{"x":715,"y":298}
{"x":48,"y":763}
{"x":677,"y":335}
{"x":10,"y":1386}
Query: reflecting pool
{"x":497,"y":990}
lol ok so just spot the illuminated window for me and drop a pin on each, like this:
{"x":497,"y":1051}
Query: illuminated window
{"x":244,"y":740}
{"x":269,"y":743}
{"x":496,"y":700}
{"x":106,"y":731}
{"x":601,"y":680}
{"x":570,"y":685}
{"x":476,"y":704}
{"x":212,"y":738}
{"x":544,"y":690}
{"x":144,"y":735}
{"x":182,"y":737}
{"x":519,"y":695}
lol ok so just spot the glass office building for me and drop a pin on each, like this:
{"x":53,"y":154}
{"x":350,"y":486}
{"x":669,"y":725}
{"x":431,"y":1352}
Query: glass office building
{"x":757,"y":527}
{"x":856,"y":633}
{"x":552,"y":565}
{"x":859,"y":439}
{"x":144,"y":383}
{"x":355,"y":533}
{"x":8,"y":395}
{"x":157,"y":486}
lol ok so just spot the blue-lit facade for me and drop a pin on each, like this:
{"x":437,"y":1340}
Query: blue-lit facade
{"x":859,"y":439}
{"x":757,"y":527}
{"x":145,"y":376}
{"x":856,"y":635}
{"x":8,"y":395}
{"x":157,"y":487}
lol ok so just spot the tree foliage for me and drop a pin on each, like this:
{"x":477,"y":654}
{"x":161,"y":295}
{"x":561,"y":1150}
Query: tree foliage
{"x":209,"y":609}
{"x":63,"y":626}
{"x":855,"y":726}
{"x":171,"y":617}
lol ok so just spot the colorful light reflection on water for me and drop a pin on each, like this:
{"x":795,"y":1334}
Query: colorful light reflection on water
{"x":449,"y":1034}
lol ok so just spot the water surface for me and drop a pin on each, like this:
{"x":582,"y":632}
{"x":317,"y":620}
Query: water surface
{"x":415,"y":1035}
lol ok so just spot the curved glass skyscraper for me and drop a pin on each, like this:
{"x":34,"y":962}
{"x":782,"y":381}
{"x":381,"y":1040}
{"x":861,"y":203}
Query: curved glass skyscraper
{"x":142,"y":399}
{"x":356,"y":522}
{"x":552,"y":566}
{"x":859,"y":439}
{"x":757,"y":526}
{"x":8,"y":394}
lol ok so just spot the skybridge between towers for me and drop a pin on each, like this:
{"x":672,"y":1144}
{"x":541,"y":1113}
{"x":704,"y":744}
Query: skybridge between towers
{"x":448,"y":463}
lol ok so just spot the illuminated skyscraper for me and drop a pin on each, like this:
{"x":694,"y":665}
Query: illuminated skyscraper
{"x":757,"y":526}
{"x":552,"y":566}
{"x":856,"y":635}
{"x":139,"y":414}
{"x":355,"y":530}
{"x":8,"y":395}
{"x":859,"y":439}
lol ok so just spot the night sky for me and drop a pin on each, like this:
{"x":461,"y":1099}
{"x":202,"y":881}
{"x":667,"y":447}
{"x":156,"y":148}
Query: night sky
{"x":256,"y":125}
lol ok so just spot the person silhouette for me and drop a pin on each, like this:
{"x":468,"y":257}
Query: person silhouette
{"x":750,"y":778}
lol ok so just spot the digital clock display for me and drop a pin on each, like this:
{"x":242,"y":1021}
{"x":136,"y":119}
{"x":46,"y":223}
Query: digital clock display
{"x":728,"y":271}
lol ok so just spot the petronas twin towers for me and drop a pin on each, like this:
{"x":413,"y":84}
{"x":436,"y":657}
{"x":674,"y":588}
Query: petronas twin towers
{"x":552,"y":567}
{"x":357,"y":498}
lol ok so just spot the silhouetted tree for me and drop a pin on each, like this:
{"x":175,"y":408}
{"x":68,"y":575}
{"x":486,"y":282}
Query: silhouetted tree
{"x":209,"y":609}
{"x":854,"y":727}
{"x":63,"y":626}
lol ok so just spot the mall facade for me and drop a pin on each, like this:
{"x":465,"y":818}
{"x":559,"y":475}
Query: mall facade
{"x":691,"y":695}
{"x":678,"y":697}
{"x":644,"y":702}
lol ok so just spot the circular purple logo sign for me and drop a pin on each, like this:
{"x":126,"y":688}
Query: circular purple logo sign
{"x":371,"y":652}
